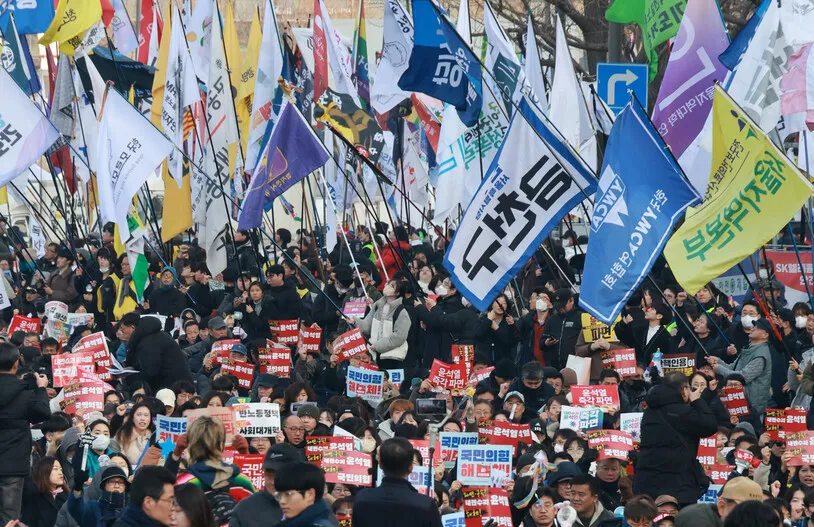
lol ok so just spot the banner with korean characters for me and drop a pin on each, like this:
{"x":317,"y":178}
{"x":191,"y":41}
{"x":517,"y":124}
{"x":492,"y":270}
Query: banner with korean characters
{"x":593,"y":329}
{"x":734,"y":400}
{"x":504,"y":433}
{"x":621,"y":360}
{"x":611,"y":444}
{"x":475,"y":463}
{"x":352,"y":468}
{"x":169,"y":428}
{"x":349,"y":344}
{"x":448,"y":377}
{"x":631,"y":423}
{"x":683,"y":362}
{"x":580,"y":419}
{"x":480,"y":375}
{"x":463,"y":353}
{"x":251,"y":466}
{"x":605,"y":396}
{"x":451,"y":441}
{"x":96,"y":344}
{"x":315,"y":446}
{"x":423,"y":447}
{"x":224,"y":415}
{"x":355,"y":309}
{"x":707,"y":450}
{"x":221,"y":349}
{"x":56,"y":320}
{"x":310,"y":339}
{"x":257,"y":419}
{"x":68,"y":367}
{"x":25,"y":324}
{"x":84,"y":395}
{"x":484,"y":505}
{"x":719,"y":474}
{"x":364,"y":383}
{"x":782,"y":421}
{"x":800,"y":446}
{"x":285,"y":331}
{"x":275,"y":360}
{"x":453,"y":519}
{"x":242,"y":370}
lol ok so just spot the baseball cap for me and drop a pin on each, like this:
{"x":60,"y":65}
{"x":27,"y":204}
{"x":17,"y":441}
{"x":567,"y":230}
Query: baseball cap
{"x":239,"y":348}
{"x":763,"y":324}
{"x":537,"y":426}
{"x":166,"y":396}
{"x":664,"y":499}
{"x":741,"y":489}
{"x":216,"y":323}
{"x":308,"y":410}
{"x":279,"y":455}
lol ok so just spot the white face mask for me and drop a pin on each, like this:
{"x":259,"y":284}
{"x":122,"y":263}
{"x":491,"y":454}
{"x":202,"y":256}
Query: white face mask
{"x":748,"y":321}
{"x":558,"y":448}
{"x":800,"y":322}
{"x":368,"y":445}
{"x":541,"y":305}
{"x":763,"y":273}
{"x":100,"y":443}
{"x":104,"y":269}
{"x":440,"y":290}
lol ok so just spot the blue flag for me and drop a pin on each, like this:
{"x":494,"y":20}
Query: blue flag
{"x":732,"y":56}
{"x":442,"y":65}
{"x":17,"y":58}
{"x":634,"y":213}
{"x":292,"y":152}
{"x":31,"y":16}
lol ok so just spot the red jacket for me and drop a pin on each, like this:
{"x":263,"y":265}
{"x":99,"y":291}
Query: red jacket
{"x":391,"y":261}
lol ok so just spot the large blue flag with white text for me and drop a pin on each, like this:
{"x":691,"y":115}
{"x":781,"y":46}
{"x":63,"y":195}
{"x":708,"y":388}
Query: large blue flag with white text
{"x":31,"y":16}
{"x":639,"y":199}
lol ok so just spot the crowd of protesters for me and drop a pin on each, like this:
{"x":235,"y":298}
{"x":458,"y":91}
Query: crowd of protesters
{"x":99,"y":468}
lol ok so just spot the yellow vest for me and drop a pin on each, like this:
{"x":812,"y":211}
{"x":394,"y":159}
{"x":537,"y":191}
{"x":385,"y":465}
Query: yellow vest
{"x":127,"y":305}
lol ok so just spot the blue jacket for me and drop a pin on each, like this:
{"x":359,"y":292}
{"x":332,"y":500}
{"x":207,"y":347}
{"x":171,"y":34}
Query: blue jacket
{"x":133,"y":516}
{"x":317,"y":515}
{"x":89,"y":513}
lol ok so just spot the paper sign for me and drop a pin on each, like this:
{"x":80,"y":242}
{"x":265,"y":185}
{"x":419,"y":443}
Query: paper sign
{"x":683,"y":362}
{"x":780,"y":422}
{"x":463,"y":353}
{"x":448,"y":377}
{"x":632,"y":424}
{"x":251,"y":466}
{"x":240,"y":369}
{"x":224,"y":415}
{"x":79,"y":319}
{"x":222,"y":347}
{"x":480,"y":375}
{"x":96,"y":344}
{"x":707,"y":450}
{"x":453,"y":519}
{"x":310,"y":339}
{"x":25,"y":324}
{"x":451,"y":441}
{"x":344,"y":520}
{"x":57,"y":311}
{"x":347,"y":467}
{"x":418,"y":478}
{"x":349,"y":344}
{"x":364,"y":383}
{"x":483,"y":505}
{"x":734,"y":400}
{"x":276,"y":361}
{"x":475,"y":463}
{"x":396,"y":377}
{"x":169,"y":428}
{"x":801,"y":447}
{"x":354,"y":309}
{"x":621,"y":360}
{"x":315,"y":446}
{"x":67,"y":367}
{"x":504,"y":433}
{"x":711,"y":495}
{"x":285,"y":331}
{"x":719,"y":474}
{"x":593,"y":329}
{"x":581,"y":366}
{"x":610,"y":444}
{"x":423,"y":447}
{"x":603,"y":396}
{"x":580,"y":419}
{"x":257,"y":419}
{"x":86,"y":394}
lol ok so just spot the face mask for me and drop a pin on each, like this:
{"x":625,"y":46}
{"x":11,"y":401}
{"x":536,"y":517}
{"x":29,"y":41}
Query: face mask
{"x":368,"y":445}
{"x":748,"y":322}
{"x":800,"y":322}
{"x":541,"y":305}
{"x":440,"y":290}
{"x":341,"y":290}
{"x":558,"y":448}
{"x":100,"y":443}
{"x":114,"y":500}
{"x":763,"y":273}
{"x":104,"y":269}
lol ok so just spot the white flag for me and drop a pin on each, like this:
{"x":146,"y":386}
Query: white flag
{"x":502,"y":61}
{"x":124,"y":36}
{"x":339,"y":58}
{"x":153,"y":45}
{"x":180,"y":91}
{"x":86,"y":127}
{"x":266,"y":88}
{"x":129,"y":149}
{"x":398,"y":44}
{"x":534,"y":70}
{"x":199,"y":33}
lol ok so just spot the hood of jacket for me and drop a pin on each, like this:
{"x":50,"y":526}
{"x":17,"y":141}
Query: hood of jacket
{"x":663,"y":395}
{"x":214,"y":475}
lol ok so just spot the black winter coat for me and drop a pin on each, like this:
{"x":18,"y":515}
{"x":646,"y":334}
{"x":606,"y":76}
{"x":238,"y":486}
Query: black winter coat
{"x":40,"y":510}
{"x":167,"y":301}
{"x":285,"y":304}
{"x":447,"y":323}
{"x":20,"y":406}
{"x":566,"y":329}
{"x":500,"y":343}
{"x":200,"y":299}
{"x":635,"y":335}
{"x":156,"y":355}
{"x":671,"y":430}
{"x":398,"y":502}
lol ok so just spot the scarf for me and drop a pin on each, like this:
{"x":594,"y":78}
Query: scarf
{"x":113,"y":501}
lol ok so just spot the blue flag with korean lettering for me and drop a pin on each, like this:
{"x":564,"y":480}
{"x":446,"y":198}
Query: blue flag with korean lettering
{"x":291,"y":153}
{"x":442,"y":65}
{"x":31,"y":16}
{"x":639,"y":199}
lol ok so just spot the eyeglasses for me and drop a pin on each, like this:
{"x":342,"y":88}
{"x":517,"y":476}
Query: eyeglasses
{"x":286,"y":494}
{"x":540,"y":504}
{"x":170,"y":500}
{"x":295,"y":428}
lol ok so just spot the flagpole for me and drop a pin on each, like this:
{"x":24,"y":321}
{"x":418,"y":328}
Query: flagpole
{"x":677,"y":315}
{"x":766,"y":313}
{"x":800,"y":263}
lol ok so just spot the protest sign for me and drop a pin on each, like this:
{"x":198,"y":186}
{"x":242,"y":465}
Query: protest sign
{"x":711,"y":495}
{"x":782,"y":421}
{"x":593,"y":329}
{"x":580,"y":419}
{"x":224,"y":415}
{"x":621,"y":360}
{"x":480,"y":375}
{"x":240,"y":369}
{"x":310,"y":339}
{"x":221,"y":348}
{"x":285,"y":331}
{"x":347,"y":467}
{"x":707,"y":450}
{"x":349,"y":344}
{"x":368,"y":366}
{"x":632,"y":424}
{"x":276,"y":361}
{"x":25,"y":324}
{"x":581,"y":366}
{"x":448,"y":377}
{"x":504,"y":433}
{"x":603,"y":396}
{"x":96,"y":344}
{"x":453,"y":519}
{"x":169,"y":428}
{"x":451,"y":441}
{"x":257,"y":419}
{"x":354,"y":309}
{"x":610,"y":444}
{"x":800,"y":446}
{"x":423,"y":447}
{"x":315,"y":446}
{"x":464,"y":353}
{"x":419,"y":478}
{"x":84,"y":394}
{"x":683,"y":362}
{"x":719,"y":474}
{"x":79,"y":319}
{"x":483,"y":505}
{"x":344,"y":520}
{"x":365,"y":383}
{"x":475,"y":462}
{"x":734,"y":400}
{"x":56,"y":311}
{"x":251,"y":466}
{"x":396,"y":377}
{"x":68,"y":367}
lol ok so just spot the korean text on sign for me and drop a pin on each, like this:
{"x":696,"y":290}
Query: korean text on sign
{"x":596,"y":396}
{"x":170,"y":427}
{"x":782,"y":421}
{"x":349,"y":344}
{"x":365,"y":383}
{"x":448,"y":377}
{"x":275,"y":360}
{"x":257,"y":419}
{"x":451,"y":441}
{"x":734,"y":400}
{"x":475,"y":463}
{"x":285,"y":331}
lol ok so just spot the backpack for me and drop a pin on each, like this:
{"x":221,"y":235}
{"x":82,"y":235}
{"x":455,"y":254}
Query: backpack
{"x":222,"y":504}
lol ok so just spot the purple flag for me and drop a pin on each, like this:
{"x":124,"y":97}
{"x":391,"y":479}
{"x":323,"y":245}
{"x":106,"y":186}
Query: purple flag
{"x":685,"y":97}
{"x":291,"y":153}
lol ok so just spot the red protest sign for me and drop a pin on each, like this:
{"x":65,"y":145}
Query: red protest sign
{"x":70,"y":366}
{"x":621,"y":360}
{"x":596,"y":396}
{"x":355,"y":309}
{"x":800,"y":445}
{"x":97,"y":345}
{"x":315,"y":446}
{"x":310,"y":339}
{"x":734,"y":400}
{"x":352,"y":468}
{"x":84,"y":394}
{"x":719,"y":474}
{"x":707,"y":450}
{"x":26,"y":324}
{"x":503,"y":433}
{"x":482,"y":504}
{"x":423,"y":446}
{"x":285,"y":331}
{"x":480,"y":375}
{"x":222,"y":348}
{"x":683,"y":362}
{"x":251,"y":466}
{"x":464,"y":353}
{"x":782,"y":421}
{"x":224,"y":415}
{"x":349,"y":344}
{"x":611,"y":444}
{"x":240,"y":369}
{"x":276,"y":361}
{"x":448,"y":377}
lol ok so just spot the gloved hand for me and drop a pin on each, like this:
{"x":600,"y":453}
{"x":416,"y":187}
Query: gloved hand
{"x":180,"y":446}
{"x":240,"y":444}
{"x":79,"y":476}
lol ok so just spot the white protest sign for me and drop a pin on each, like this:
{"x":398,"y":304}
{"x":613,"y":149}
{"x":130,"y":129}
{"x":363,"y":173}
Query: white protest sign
{"x":257,"y":419}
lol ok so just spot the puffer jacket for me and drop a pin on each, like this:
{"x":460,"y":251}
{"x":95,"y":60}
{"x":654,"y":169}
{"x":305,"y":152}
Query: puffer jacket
{"x":388,"y":336}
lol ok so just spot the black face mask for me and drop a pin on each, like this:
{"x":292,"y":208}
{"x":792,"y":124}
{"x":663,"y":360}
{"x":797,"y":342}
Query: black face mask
{"x":114,"y":501}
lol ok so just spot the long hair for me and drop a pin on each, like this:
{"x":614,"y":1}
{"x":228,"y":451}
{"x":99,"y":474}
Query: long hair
{"x":191,"y":500}
{"x":206,"y":438}
{"x":294,"y":390}
{"x":41,"y":475}
{"x":125,"y":434}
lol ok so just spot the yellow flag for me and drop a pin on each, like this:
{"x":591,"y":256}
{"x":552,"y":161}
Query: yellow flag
{"x":159,"y":80}
{"x":753,"y":192}
{"x":232,"y":46}
{"x":177,"y":206}
{"x":3,"y":196}
{"x":247,"y":79}
{"x":72,"y":19}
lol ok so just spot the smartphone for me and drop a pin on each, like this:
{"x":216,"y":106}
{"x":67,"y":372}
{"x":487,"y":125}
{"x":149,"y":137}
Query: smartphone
{"x":431,"y":406}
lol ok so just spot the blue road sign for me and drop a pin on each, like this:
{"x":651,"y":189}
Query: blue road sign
{"x":614,"y":80}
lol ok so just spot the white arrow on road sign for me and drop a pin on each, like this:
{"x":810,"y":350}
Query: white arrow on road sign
{"x":628,"y":77}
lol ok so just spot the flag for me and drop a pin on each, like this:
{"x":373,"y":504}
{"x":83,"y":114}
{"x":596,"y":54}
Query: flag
{"x":634,"y":213}
{"x":148,"y":23}
{"x":797,"y":19}
{"x":124,"y":36}
{"x":232,"y":45}
{"x":320,"y":49}
{"x":160,"y":77}
{"x":531,"y":184}
{"x":685,"y":97}
{"x":248,"y":76}
{"x":734,"y":52}
{"x":129,"y":238}
{"x":658,"y":20}
{"x":455,"y":75}
{"x":797,"y":86}
{"x":289,"y":208}
{"x":534,"y":69}
{"x":339,"y":59}
{"x":753,"y":192}
{"x":72,"y":19}
{"x":267,"y":95}
{"x":356,"y":126}
{"x":17,"y":58}
{"x":299,"y":81}
{"x":396,"y":49}
{"x":292,"y":152}
{"x":360,"y":58}
{"x":26,"y":132}
{"x":86,"y":126}
{"x":30,"y":17}
{"x":199,"y":33}
{"x":502,"y":61}
{"x":178,"y":217}
{"x":156,"y":37}
{"x":129,"y":149}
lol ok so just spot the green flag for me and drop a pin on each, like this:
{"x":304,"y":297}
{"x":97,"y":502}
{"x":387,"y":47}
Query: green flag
{"x":658,"y":19}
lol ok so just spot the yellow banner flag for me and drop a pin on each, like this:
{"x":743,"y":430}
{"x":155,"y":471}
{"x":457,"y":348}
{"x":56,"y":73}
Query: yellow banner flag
{"x":160,"y":77}
{"x":248,"y":76}
{"x":3,"y":196}
{"x":753,"y":192}
{"x":232,"y":46}
{"x":177,"y":206}
{"x":72,"y":19}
